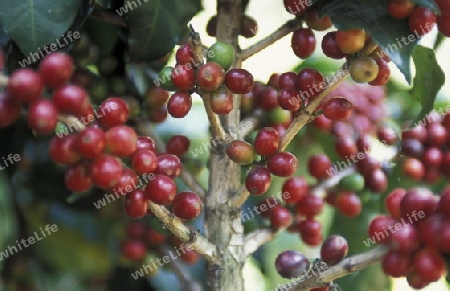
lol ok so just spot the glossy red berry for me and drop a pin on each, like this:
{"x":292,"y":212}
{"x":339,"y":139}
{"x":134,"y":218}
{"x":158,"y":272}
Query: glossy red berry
{"x":136,"y":204}
{"x":393,"y":201}
{"x":310,"y":206}
{"x":289,"y":99}
{"x":334,"y":249}
{"x":310,"y":83}
{"x":210,"y":76}
{"x":179,"y":104}
{"x":177,"y":145}
{"x":24,"y":86}
{"x":168,"y":165}
{"x":257,"y":181}
{"x":144,"y":162}
{"x":183,"y":77}
{"x":282,"y":164}
{"x":290,"y":264}
{"x":239,"y":81}
{"x":406,"y":239}
{"x":145,"y":143}
{"x":337,"y":108}
{"x":187,"y":205}
{"x":421,"y":21}
{"x":127,"y":183}
{"x":330,"y":47}
{"x":42,"y":116}
{"x":266,"y":141}
{"x":400,"y":8}
{"x":121,"y":140}
{"x":91,"y":142}
{"x":294,"y":190}
{"x":63,"y":150}
{"x":379,"y":229}
{"x":70,"y":99}
{"x":287,"y":80}
{"x":349,"y":204}
{"x":77,"y":177}
{"x":106,"y":171}
{"x":56,"y":69}
{"x":161,"y":190}
{"x":184,"y":55}
{"x":222,"y":100}
{"x":397,"y":264}
{"x":280,"y":217}
{"x":430,"y":265}
{"x":114,"y":111}
{"x":303,"y":42}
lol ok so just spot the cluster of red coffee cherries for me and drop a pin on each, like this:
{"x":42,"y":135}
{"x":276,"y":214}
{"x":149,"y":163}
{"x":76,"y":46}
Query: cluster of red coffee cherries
{"x":293,"y":264}
{"x":142,"y":239}
{"x":416,"y":233}
{"x":420,"y":19}
{"x":215,"y":76}
{"x":426,"y":149}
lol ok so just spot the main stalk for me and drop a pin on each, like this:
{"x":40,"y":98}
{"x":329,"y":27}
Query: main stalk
{"x":223,"y":225}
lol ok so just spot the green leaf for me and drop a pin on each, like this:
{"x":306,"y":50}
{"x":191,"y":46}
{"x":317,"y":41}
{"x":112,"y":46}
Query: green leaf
{"x":428,"y":4}
{"x":428,"y":80}
{"x":391,"y":34}
{"x":35,"y":23}
{"x":156,"y":26}
{"x":439,"y":40}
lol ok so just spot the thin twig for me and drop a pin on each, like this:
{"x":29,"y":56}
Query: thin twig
{"x":306,"y":115}
{"x":258,"y":238}
{"x":183,"y":275}
{"x":104,"y":15}
{"x":345,"y":267}
{"x":217,"y":129}
{"x":281,"y":32}
{"x":254,"y":119}
{"x":196,"y":241}
{"x":3,"y":80}
{"x":185,"y":176}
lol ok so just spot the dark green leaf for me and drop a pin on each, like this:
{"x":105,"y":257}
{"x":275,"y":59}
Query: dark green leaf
{"x":428,"y":4}
{"x":392,"y":35}
{"x":33,"y":24}
{"x":428,"y":80}
{"x":156,"y":26}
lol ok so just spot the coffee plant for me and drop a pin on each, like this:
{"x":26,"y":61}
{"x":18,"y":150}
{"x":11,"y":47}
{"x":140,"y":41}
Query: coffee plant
{"x":319,"y":178}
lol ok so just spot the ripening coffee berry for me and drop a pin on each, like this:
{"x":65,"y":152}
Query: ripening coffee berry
{"x":363,"y":69}
{"x":290,"y":264}
{"x":56,"y":69}
{"x":136,"y":204}
{"x":187,"y":205}
{"x":240,"y":152}
{"x":351,"y":41}
{"x":222,"y":54}
{"x":222,"y":100}
{"x":183,"y":77}
{"x":42,"y":116}
{"x":266,"y":141}
{"x":239,"y":81}
{"x":121,"y":140}
{"x":161,"y":190}
{"x":337,"y":108}
{"x":282,"y":164}
{"x":106,"y":171}
{"x":257,"y":181}
{"x":77,"y":177}
{"x":303,"y":42}
{"x":334,"y":249}
{"x":210,"y":76}
{"x":24,"y":85}
{"x":114,"y":111}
